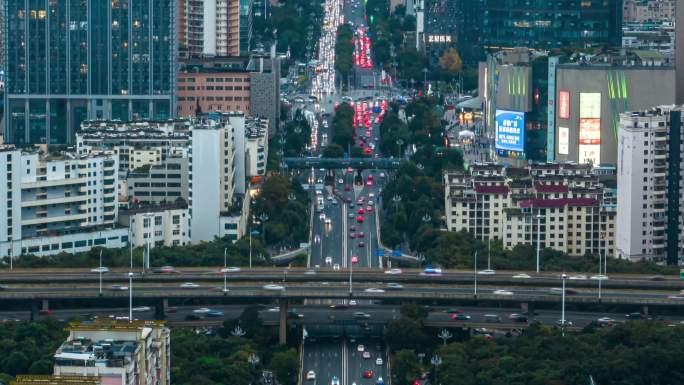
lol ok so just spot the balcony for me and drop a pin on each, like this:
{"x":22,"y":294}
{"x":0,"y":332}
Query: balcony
{"x":61,"y":218}
{"x":53,"y":201}
{"x":52,"y":183}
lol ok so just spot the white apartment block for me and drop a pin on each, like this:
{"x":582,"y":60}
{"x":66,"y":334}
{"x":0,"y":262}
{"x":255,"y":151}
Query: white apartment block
{"x":54,"y":203}
{"x":256,"y":147}
{"x":126,"y":353}
{"x":649,"y":199}
{"x":212,"y":182}
{"x":158,"y":225}
{"x":561,"y":206}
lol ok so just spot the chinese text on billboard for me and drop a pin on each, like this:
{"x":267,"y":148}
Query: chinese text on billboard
{"x":510,"y":130}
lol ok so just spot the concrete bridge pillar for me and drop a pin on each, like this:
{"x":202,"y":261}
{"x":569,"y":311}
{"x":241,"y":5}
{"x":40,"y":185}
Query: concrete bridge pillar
{"x":34,"y":310}
{"x":524,"y":306}
{"x":644,"y":310}
{"x":161,"y":308}
{"x":282,"y":324}
{"x":44,"y":304}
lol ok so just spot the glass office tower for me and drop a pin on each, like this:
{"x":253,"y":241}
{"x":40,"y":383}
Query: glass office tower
{"x":72,"y":60}
{"x":246,"y":15}
{"x":545,"y":24}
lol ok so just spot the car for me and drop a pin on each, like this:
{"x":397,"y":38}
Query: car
{"x":378,"y":361}
{"x":274,"y":287}
{"x":189,"y":285}
{"x":452,"y":310}
{"x":516,"y":317}
{"x":45,"y":312}
{"x":336,"y":266}
{"x":360,"y":348}
{"x":359,"y":219}
{"x":322,"y":216}
{"x":460,"y":317}
{"x":599,"y":277}
{"x":369,"y":209}
{"x":360,"y":234}
{"x":561,"y":322}
{"x":394,"y":271}
{"x":202,"y":310}
{"x":310,"y":375}
{"x":354,"y":259}
{"x":362,"y":244}
{"x":101,"y":269}
{"x":486,"y":272}
{"x":605,"y":321}
{"x":636,"y":316}
{"x":502,"y":292}
{"x":370,"y":203}
{"x":360,"y":314}
{"x":335,"y":381}
{"x":230,"y":269}
{"x":141,"y":308}
{"x":360,"y":211}
{"x":374,"y":290}
{"x":214,"y":313}
{"x":492,"y":318}
{"x":657,"y":278}
{"x":350,"y":215}
{"x":578,"y":277}
{"x":394,"y":286}
{"x":432,"y":271}
{"x":165,"y":270}
{"x":559,"y":291}
{"x":328,"y":221}
{"x":380,"y":381}
{"x":328,"y":260}
{"x":521,"y":276}
{"x":366,"y":355}
{"x":367,"y":374}
{"x":352,"y":302}
{"x":4,"y":287}
{"x":117,"y":287}
{"x":340,"y":181}
{"x":192,"y":317}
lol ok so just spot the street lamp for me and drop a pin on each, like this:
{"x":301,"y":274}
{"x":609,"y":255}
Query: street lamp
{"x":444,"y":335}
{"x":396,"y":199}
{"x":100,"y":270}
{"x":130,"y":296}
{"x":426,"y":218}
{"x":238,"y":331}
{"x":253,"y":359}
{"x":475,"y":273}
{"x":420,"y":166}
{"x":436,"y":361}
{"x":563,"y":277}
{"x":400,"y":142}
{"x":225,"y":270}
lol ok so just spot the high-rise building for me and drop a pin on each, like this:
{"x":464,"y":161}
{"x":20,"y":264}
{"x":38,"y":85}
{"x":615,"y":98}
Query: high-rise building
{"x":73,"y":60}
{"x":119,"y":353}
{"x":650,"y":189}
{"x":562,"y":206}
{"x":58,"y":202}
{"x":215,"y":27}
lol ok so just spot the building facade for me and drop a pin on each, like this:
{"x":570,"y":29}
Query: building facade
{"x":650,"y":197}
{"x":120,"y":353}
{"x":644,"y":11}
{"x":58,"y":203}
{"x":557,"y":206}
{"x":215,"y":27}
{"x":163,"y":183}
{"x":158,"y":225}
{"x":70,"y":61}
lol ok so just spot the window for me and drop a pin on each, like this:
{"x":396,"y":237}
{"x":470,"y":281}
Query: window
{"x":158,"y":220}
{"x":176,"y":219}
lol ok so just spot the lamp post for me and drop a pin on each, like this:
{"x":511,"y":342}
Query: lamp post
{"x":444,"y":335}
{"x":99,"y":270}
{"x":563,"y":277}
{"x":400,"y":142}
{"x":475,"y":273}
{"x":130,"y":296}
{"x":426,"y":218}
{"x":225,"y":270}
{"x":599,"y":278}
{"x":238,"y":331}
{"x":253,"y":359}
{"x":436,"y":361}
{"x":396,"y":199}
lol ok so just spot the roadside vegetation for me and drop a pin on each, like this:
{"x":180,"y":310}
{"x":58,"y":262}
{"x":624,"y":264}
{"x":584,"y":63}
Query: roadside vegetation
{"x":344,"y":52}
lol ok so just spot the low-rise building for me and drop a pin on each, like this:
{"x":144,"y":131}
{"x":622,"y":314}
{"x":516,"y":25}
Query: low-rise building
{"x":650,"y":194}
{"x":256,"y":147}
{"x":120,"y":353}
{"x":158,"y":225}
{"x":49,"y":379}
{"x":164,"y":183}
{"x":58,"y":202}
{"x":553,"y":205}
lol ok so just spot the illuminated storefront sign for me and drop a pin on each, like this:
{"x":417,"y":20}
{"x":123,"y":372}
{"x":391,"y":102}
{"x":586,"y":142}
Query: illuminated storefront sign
{"x":564,"y":105}
{"x":563,"y":140}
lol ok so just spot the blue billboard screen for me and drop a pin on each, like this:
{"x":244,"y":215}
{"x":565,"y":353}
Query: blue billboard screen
{"x":510,"y":130}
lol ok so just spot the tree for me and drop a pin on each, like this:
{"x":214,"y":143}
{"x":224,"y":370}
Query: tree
{"x":405,"y":367}
{"x":285,"y":366}
{"x":333,"y":150}
{"x":397,"y":330}
{"x":450,"y":61}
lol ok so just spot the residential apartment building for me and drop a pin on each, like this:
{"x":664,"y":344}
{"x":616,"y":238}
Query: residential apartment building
{"x":214,"y":27}
{"x":58,"y":202}
{"x":212,"y":178}
{"x":158,"y":225}
{"x":256,"y":147}
{"x":650,"y":198}
{"x":164,"y":183}
{"x":247,"y":84}
{"x":561,"y":206}
{"x":120,"y":353}
{"x":74,"y":60}
{"x":644,"y":11}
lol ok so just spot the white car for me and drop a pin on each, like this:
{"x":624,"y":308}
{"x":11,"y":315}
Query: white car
{"x":366,"y":355}
{"x":317,"y":239}
{"x":202,"y":310}
{"x":322,"y":217}
{"x":503,"y":292}
{"x":374,"y":290}
{"x":328,"y":221}
{"x":378,"y":361}
{"x":487,"y":272}
{"x":370,"y":203}
{"x":141,"y":308}
{"x":274,"y":287}
{"x":231,"y":269}
{"x":310,"y":375}
{"x":522,"y":276}
{"x":189,"y":285}
{"x":336,"y":266}
{"x":394,"y":286}
{"x":352,"y":302}
{"x":393,"y":271}
{"x":100,"y":270}
{"x":360,"y":348}
{"x":335,"y":381}
{"x":599,"y":277}
{"x":328,"y":260}
{"x":578,"y":277}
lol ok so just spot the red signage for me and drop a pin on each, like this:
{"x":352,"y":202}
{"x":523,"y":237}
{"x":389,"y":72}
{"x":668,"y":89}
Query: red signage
{"x":564,"y":105}
{"x":590,"y":131}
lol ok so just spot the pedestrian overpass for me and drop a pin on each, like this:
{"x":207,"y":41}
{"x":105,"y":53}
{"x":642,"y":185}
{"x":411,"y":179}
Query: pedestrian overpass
{"x":336,"y":163}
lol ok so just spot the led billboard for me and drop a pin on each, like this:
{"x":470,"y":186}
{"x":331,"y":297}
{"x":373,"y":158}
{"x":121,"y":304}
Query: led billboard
{"x":590,"y":153}
{"x":563,"y":140}
{"x":589,"y":131}
{"x":590,"y":105}
{"x":510,"y":130}
{"x":564,"y":105}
